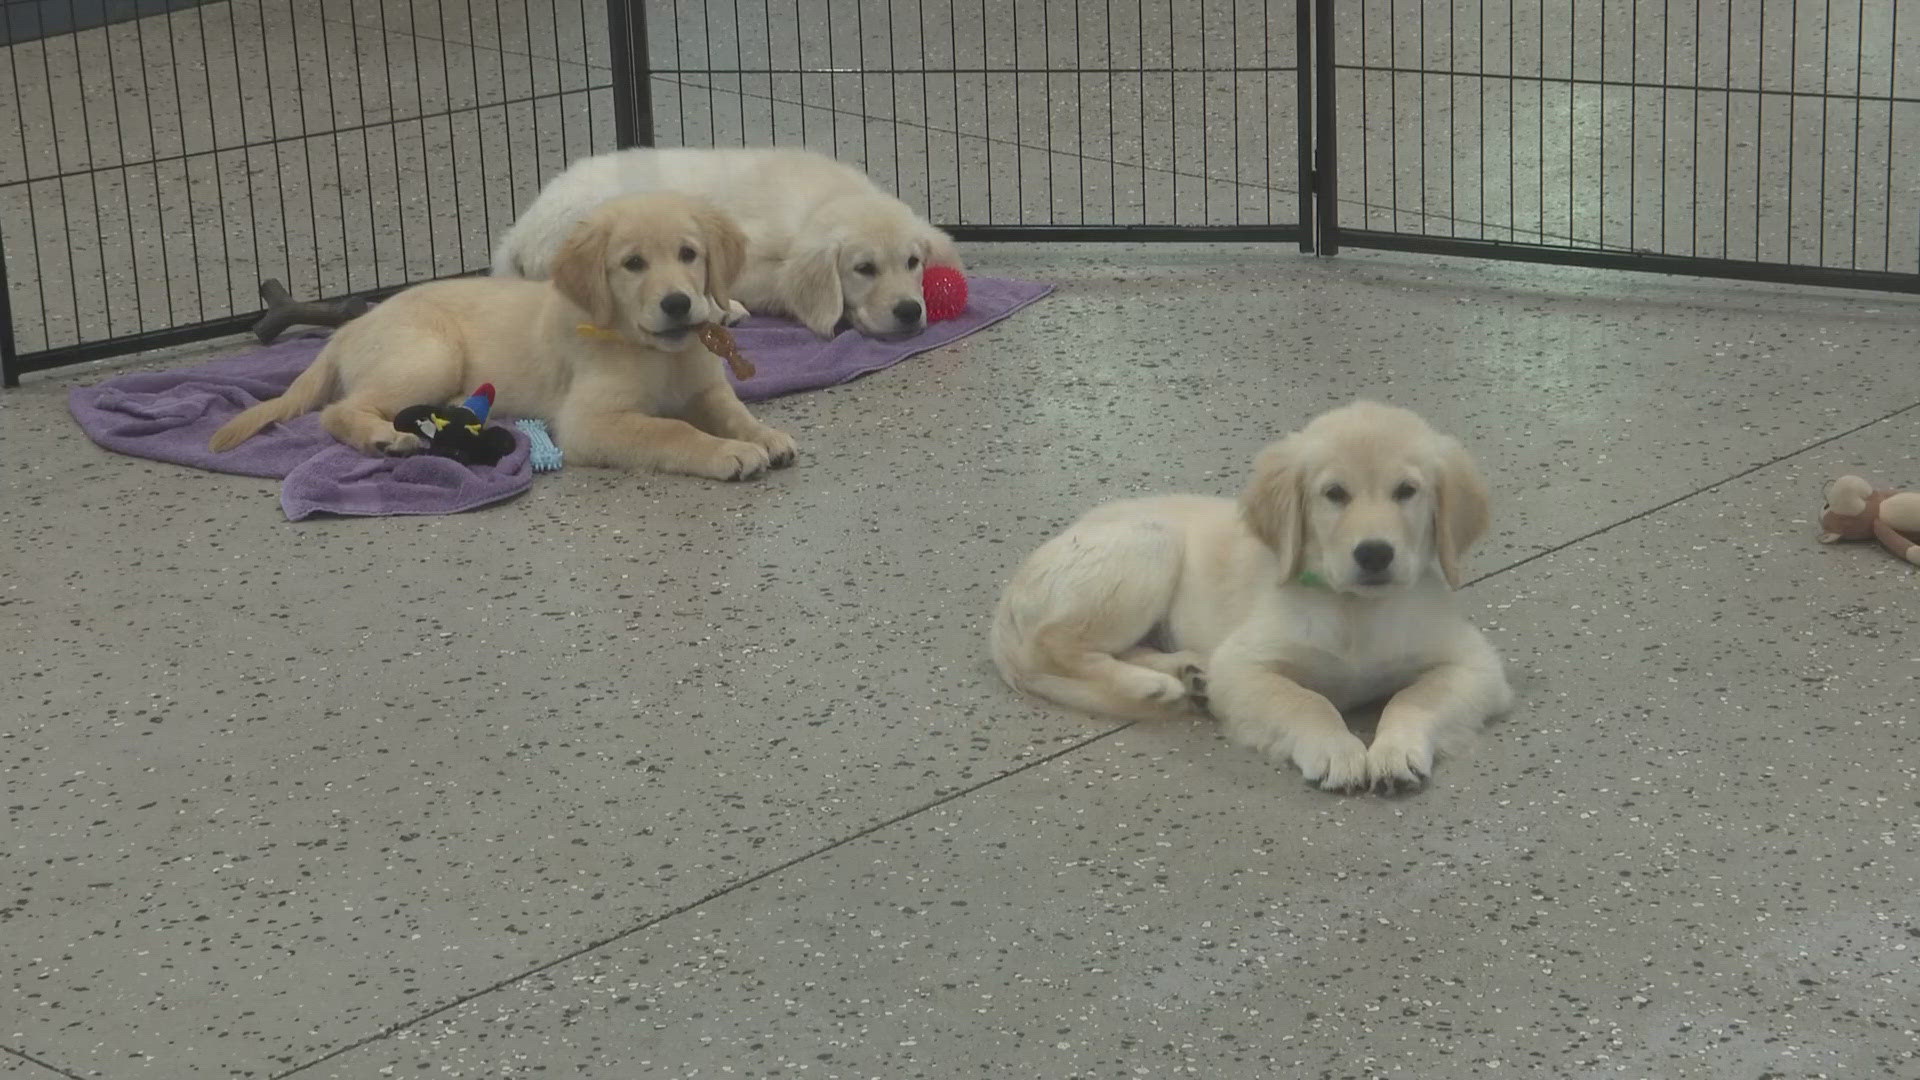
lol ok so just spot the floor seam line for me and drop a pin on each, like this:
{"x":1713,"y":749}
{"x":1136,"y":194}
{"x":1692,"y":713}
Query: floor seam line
{"x":31,"y":1060}
{"x":501,"y":48}
{"x":1678,"y":499}
{"x":682,"y":909}
{"x":962,"y":792}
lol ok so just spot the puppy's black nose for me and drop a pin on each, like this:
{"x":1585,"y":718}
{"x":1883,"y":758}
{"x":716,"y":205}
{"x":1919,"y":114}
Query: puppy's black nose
{"x":907,"y":311}
{"x":1373,"y":555}
{"x":676,"y":304}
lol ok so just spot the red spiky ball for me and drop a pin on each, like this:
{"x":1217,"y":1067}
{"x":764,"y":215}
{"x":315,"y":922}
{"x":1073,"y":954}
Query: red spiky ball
{"x":946,"y":292}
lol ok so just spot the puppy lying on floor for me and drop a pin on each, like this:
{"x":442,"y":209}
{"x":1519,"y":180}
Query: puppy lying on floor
{"x":824,"y":242}
{"x":1327,"y":587}
{"x":607,"y":352}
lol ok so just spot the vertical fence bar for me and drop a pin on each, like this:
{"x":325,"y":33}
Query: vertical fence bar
{"x":632,"y":69}
{"x":9,"y":371}
{"x":1266,"y":115}
{"x":1893,"y":104}
{"x":1303,"y":77}
{"x":1325,"y":229}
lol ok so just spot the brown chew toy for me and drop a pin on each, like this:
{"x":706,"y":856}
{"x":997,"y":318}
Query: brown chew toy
{"x":1856,"y":511}
{"x":720,"y":343}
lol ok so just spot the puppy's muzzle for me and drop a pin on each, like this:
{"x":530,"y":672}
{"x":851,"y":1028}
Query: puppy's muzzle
{"x":907,"y":313}
{"x":1375,"y":560}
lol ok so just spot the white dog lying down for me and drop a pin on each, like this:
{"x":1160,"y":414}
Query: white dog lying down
{"x":823,"y":242}
{"x":608,"y":352}
{"x":1327,"y":587}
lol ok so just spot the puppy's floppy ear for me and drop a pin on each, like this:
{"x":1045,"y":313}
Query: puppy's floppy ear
{"x":1460,"y":507}
{"x":580,"y":270}
{"x":1271,"y":504}
{"x":726,"y":251}
{"x":941,"y":250}
{"x":810,"y":286}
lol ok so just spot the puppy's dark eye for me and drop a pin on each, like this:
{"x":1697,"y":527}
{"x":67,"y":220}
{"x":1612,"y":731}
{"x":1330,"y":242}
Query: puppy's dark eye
{"x":1337,"y":495}
{"x":687,"y":254}
{"x":913,"y":262}
{"x":634,"y":263}
{"x":866,"y":269}
{"x":1405,"y":491}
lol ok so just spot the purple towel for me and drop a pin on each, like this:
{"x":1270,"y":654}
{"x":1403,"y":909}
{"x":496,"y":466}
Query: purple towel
{"x":170,"y":415}
{"x":789,"y":358}
{"x":342,"y":480}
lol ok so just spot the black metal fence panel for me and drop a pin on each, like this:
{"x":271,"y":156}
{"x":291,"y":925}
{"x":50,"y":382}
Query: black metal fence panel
{"x":1703,"y":136}
{"x":160,"y":160}
{"x":1015,"y":117}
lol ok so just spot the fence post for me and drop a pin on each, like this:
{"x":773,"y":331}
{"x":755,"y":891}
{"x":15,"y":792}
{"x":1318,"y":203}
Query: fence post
{"x":9,"y":353}
{"x":1303,"y":114}
{"x":1326,"y":186}
{"x":632,"y":79}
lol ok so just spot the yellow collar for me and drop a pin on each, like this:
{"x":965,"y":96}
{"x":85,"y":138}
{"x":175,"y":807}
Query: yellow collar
{"x":599,"y":333}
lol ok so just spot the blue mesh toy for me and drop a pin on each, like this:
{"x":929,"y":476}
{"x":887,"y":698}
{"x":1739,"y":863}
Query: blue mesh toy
{"x":542,"y":454}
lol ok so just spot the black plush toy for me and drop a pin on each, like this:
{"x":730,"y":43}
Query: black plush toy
{"x":459,"y":432}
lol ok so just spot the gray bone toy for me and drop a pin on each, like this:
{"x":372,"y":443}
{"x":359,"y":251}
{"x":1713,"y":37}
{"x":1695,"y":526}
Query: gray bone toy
{"x":284,"y":311}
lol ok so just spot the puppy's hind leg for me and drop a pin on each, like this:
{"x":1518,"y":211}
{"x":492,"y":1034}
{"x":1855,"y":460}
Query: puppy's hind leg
{"x":414,"y":367}
{"x":1071,"y":622}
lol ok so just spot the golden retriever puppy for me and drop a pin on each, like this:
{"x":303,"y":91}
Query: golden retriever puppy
{"x":824,"y":243}
{"x":608,"y":352}
{"x":1326,"y":587}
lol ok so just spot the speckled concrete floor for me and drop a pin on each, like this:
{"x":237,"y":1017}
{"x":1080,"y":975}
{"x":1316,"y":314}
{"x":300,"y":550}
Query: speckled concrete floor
{"x":642,"y":777}
{"x":656,"y":777}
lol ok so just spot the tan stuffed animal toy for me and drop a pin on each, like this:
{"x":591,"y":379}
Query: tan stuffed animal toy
{"x":1855,"y":511}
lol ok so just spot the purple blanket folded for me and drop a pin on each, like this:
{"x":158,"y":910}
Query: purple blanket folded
{"x":790,"y":359}
{"x":169,"y":415}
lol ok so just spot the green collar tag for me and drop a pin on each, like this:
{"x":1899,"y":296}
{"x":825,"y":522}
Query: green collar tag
{"x":1311,"y":580}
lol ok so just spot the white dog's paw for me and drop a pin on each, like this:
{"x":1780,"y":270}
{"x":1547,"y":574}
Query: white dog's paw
{"x":735,"y":460}
{"x":1397,"y":765}
{"x":1194,"y":678}
{"x":1151,"y":687}
{"x":735,"y":313}
{"x":1334,"y":762}
{"x":399,"y":444}
{"x":778,"y":445}
{"x":1165,"y":690}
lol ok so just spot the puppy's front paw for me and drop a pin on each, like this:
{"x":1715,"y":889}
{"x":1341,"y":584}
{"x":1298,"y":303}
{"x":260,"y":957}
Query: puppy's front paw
{"x":1334,"y":762}
{"x":735,"y":460}
{"x":1397,"y":765}
{"x":734,"y":315}
{"x":778,"y":445}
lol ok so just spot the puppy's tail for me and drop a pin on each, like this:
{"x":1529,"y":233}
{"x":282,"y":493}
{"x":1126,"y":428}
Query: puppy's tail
{"x":312,"y":389}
